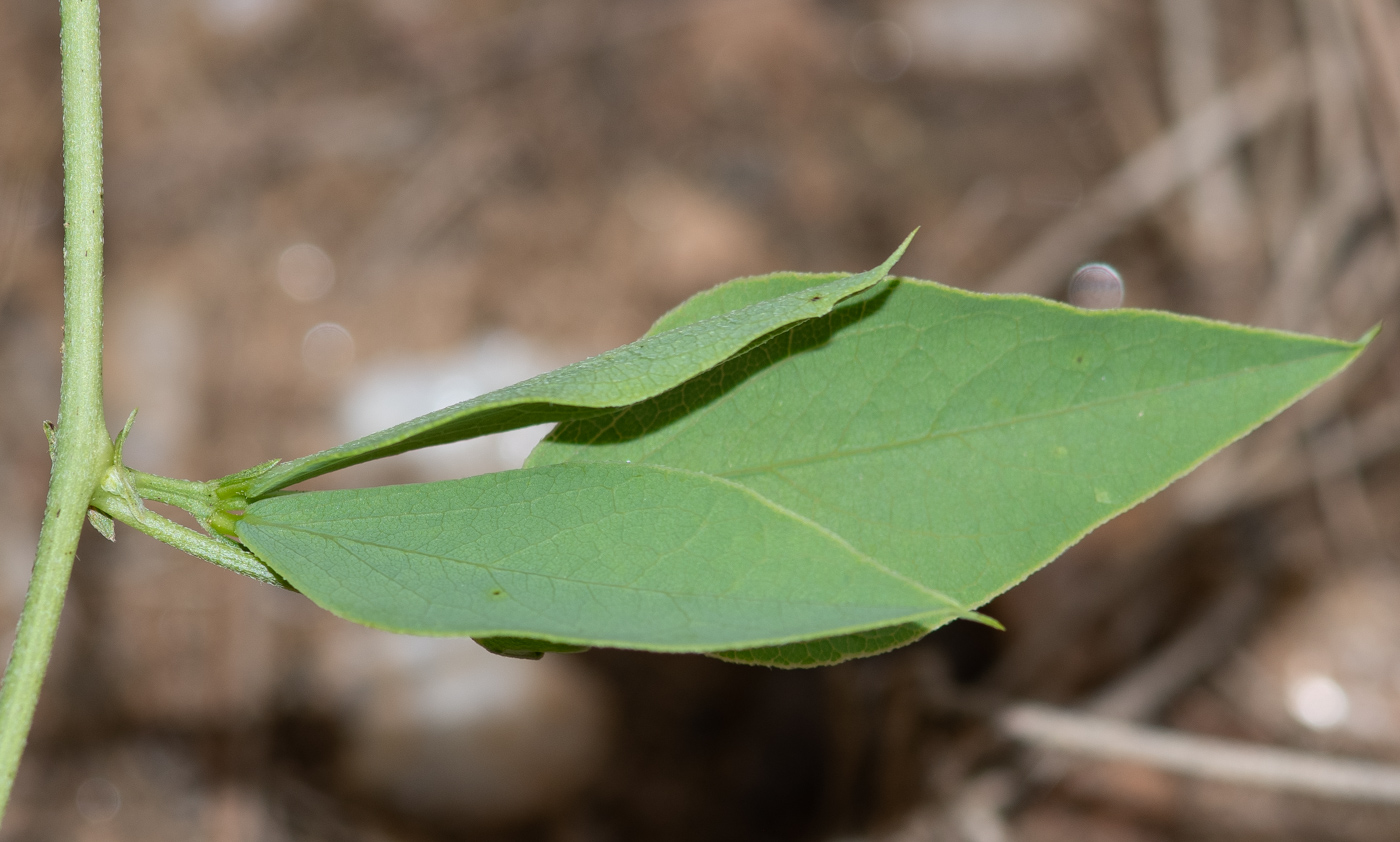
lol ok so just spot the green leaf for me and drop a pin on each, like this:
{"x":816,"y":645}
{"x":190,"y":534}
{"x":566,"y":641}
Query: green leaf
{"x":103,"y":524}
{"x":527,"y":648}
{"x":613,"y":555}
{"x":828,"y":650}
{"x":834,"y":490}
{"x":738,"y":294}
{"x":961,"y":440}
{"x":622,"y":376}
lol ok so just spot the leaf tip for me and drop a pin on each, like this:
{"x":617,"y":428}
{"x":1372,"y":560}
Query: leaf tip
{"x":899,"y":252}
{"x":120,"y":443}
{"x":979,"y":617}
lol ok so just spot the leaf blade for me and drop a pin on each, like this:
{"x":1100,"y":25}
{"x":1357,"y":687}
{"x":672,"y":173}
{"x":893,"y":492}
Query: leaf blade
{"x":622,"y":376}
{"x":964,"y":440}
{"x":934,"y":439}
{"x":612,"y":555}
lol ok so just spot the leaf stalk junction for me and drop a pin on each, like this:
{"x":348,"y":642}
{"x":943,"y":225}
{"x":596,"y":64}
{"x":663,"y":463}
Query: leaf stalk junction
{"x":216,"y":505}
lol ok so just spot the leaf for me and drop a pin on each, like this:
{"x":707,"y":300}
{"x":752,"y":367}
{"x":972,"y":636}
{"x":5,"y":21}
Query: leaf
{"x":834,"y":490}
{"x":738,"y":294}
{"x":619,"y":377}
{"x":828,"y":650}
{"x":613,"y":555}
{"x":527,"y":648}
{"x":103,"y":524}
{"x":961,"y":440}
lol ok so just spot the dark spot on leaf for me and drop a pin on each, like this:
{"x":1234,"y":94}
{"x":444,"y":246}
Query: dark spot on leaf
{"x":816,"y":298}
{"x":497,"y":592}
{"x":1079,"y":359}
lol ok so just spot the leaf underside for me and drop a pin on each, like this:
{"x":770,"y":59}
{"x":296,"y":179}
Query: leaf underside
{"x":835,"y":490}
{"x":613,"y":555}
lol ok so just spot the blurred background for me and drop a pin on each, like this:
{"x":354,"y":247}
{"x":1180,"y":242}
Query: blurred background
{"x":326,"y":216}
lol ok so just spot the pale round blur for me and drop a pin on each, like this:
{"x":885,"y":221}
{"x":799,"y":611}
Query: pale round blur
{"x":327,"y":350}
{"x":1096,"y":286}
{"x":98,"y":800}
{"x":305,"y":272}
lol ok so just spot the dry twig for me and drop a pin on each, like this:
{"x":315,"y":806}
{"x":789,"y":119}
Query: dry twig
{"x":1190,"y":149}
{"x":977,"y":811}
{"x":1145,"y":691}
{"x":1376,"y":21}
{"x":1222,"y":244}
{"x":1101,"y":737}
{"x":1313,"y":248}
{"x":1347,"y":513}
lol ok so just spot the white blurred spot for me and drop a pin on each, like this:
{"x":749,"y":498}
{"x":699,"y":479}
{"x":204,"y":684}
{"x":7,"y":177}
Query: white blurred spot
{"x":881,"y":51}
{"x":327,"y":350}
{"x":1318,"y":701}
{"x":236,"y":17}
{"x":1095,"y":286}
{"x":305,"y":272}
{"x":98,"y":800}
{"x":394,"y":391}
{"x":1018,"y":38}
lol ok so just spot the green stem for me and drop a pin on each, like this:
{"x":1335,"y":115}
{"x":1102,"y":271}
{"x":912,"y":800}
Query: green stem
{"x":118,"y":499}
{"x":82,"y":448}
{"x":197,"y":498}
